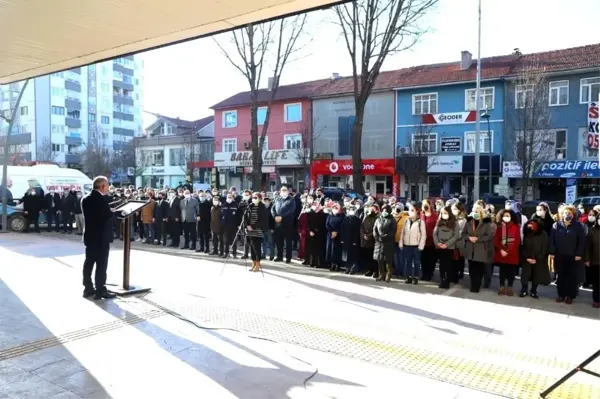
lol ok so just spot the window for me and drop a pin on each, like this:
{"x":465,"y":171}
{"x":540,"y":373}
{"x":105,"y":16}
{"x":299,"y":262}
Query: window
{"x":559,"y":93}
{"x":58,"y":129}
{"x":486,"y":142}
{"x":229,"y":145}
{"x":487,"y":98}
{"x":230,"y":119}
{"x":560,"y":144}
{"x":73,"y":114}
{"x":261,"y":115}
{"x":177,"y":156}
{"x":58,"y":110}
{"x":425,"y":103}
{"x":153,"y":157}
{"x":292,"y":141}
{"x":92,"y":117}
{"x":547,"y":145}
{"x":105,"y":120}
{"x":584,"y":149}
{"x":424,"y":143}
{"x":24,"y":110}
{"x":523,"y":96}
{"x":589,"y":90}
{"x":58,"y":91}
{"x":293,"y":112}
{"x":57,"y":147}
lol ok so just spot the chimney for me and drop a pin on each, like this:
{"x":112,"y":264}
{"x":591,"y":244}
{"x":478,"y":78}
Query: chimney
{"x":466,"y":60}
{"x":335,"y":76}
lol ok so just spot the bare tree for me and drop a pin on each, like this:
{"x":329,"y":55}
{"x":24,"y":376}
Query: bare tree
{"x":533,"y":142}
{"x":124,"y":161}
{"x":190,"y":153}
{"x":96,"y":158}
{"x":372,"y":30}
{"x":414,"y":159}
{"x":303,"y":148}
{"x":254,"y":46}
{"x":45,"y":152}
{"x":17,"y":154}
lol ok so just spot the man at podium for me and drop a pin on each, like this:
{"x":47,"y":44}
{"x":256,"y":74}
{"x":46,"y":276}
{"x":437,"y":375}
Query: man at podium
{"x":97,"y":236}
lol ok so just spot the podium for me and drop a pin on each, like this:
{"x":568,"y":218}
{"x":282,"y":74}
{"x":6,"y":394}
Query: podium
{"x":126,"y":212}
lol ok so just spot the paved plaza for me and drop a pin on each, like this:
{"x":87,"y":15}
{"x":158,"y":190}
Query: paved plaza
{"x":216,"y":331}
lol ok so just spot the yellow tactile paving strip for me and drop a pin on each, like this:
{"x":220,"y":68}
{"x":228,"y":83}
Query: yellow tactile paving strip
{"x":530,"y":375}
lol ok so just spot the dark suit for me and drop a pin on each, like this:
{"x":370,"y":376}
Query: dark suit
{"x":97,"y":237}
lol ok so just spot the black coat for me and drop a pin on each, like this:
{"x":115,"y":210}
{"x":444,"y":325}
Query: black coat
{"x":230,"y":217}
{"x":316,"y":224}
{"x":384,"y":233}
{"x":68,"y":204}
{"x":175,"y":209}
{"x":31,"y":203}
{"x":97,"y":234}
{"x":535,"y":246}
{"x":351,"y":232}
{"x":50,"y":205}
{"x":262,"y":223}
{"x":204,"y":213}
{"x":161,"y":210}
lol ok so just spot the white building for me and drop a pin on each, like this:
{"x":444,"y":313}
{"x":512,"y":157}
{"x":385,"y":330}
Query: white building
{"x":173,"y":150}
{"x":61,"y":113}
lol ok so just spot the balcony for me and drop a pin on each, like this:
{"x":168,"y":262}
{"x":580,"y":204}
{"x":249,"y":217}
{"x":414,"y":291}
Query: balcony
{"x":72,"y":85}
{"x":76,"y":141}
{"x":119,"y":99}
{"x":72,"y":158}
{"x":72,"y":122}
{"x":72,"y":104}
{"x":120,"y":68}
{"x":123,"y":116}
{"x":123,"y":85}
{"x":17,"y":139}
{"x":76,"y":70}
{"x":123,"y":132}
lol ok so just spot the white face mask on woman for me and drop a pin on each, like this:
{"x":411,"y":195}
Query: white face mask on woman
{"x":541,"y":213}
{"x":455,"y":211}
{"x":445,"y":216}
{"x":591,"y":218}
{"x":506,"y":219}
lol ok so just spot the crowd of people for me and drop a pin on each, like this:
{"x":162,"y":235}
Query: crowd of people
{"x":378,"y":237}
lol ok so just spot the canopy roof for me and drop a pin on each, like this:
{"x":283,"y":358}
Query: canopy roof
{"x":41,"y":37}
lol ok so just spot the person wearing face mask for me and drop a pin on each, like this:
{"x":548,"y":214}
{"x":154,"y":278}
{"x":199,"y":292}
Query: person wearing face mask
{"x":534,"y":265}
{"x":190,"y":215}
{"x":53,"y":205}
{"x":268,"y":246}
{"x":148,"y":219}
{"x":242,"y":205}
{"x":439,"y":205}
{"x":256,"y":222}
{"x":458,"y":260}
{"x":445,"y":236}
{"x":367,"y":241}
{"x":316,"y":235}
{"x":412,"y":242}
{"x":234,"y":195}
{"x":592,"y":256}
{"x":400,"y":216}
{"x":78,"y":214}
{"x":203,"y":225}
{"x":283,"y":212}
{"x":217,"y":227}
{"x":429,"y":255}
{"x":478,"y":237}
{"x":543,"y":217}
{"x":161,"y":219}
{"x":320,"y":197}
{"x":231,"y":223}
{"x":350,"y":240}
{"x":174,"y":219}
{"x":301,"y":224}
{"x":384,"y":232}
{"x":333,"y":249}
{"x":507,"y":243}
{"x":566,"y":247}
{"x":31,"y":208}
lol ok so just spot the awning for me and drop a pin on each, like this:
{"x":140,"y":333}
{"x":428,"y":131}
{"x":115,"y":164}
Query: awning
{"x":41,"y":37}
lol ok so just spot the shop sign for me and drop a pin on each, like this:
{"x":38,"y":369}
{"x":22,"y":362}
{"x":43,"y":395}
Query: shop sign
{"x":450,"y":144}
{"x":566,"y":169}
{"x":157,"y":171}
{"x":444,"y":164}
{"x":593,"y":126}
{"x":371,"y":167}
{"x":511,"y":169}
{"x":449,"y":118}
{"x":571,"y":191}
{"x":270,"y":158}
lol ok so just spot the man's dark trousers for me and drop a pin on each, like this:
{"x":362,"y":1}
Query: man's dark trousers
{"x":283,"y":234}
{"x":95,"y":256}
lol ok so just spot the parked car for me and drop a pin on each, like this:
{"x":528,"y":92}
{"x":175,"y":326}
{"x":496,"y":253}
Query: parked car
{"x":587,"y":202}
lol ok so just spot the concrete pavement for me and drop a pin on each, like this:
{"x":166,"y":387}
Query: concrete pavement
{"x":362,"y":336}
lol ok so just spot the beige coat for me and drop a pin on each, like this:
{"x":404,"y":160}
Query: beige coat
{"x":413,"y":234}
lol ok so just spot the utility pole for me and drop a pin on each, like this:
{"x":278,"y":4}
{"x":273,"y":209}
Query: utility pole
{"x":477,"y":106}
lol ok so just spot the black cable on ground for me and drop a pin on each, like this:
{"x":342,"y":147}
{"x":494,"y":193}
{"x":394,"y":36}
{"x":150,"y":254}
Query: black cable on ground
{"x":206,"y":328}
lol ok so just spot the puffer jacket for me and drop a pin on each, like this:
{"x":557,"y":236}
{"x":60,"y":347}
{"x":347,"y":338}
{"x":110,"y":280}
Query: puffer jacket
{"x":444,"y":234}
{"x":400,"y":220}
{"x":384,"y":232}
{"x":414,"y":234}
{"x":366,"y":231}
{"x":478,"y":251}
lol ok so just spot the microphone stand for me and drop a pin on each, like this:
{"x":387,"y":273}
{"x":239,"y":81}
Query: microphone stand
{"x":241,"y":232}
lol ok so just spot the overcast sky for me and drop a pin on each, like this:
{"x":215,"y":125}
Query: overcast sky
{"x":186,"y":79}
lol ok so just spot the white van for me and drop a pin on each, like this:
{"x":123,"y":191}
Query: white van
{"x":48,"y":178}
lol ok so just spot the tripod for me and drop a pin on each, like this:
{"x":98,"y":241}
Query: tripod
{"x":571,"y":373}
{"x":241,"y":232}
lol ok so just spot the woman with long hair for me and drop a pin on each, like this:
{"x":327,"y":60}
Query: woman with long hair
{"x":458,"y":260}
{"x":507,"y":242}
{"x":478,"y":238}
{"x":592,"y":256}
{"x":445,"y":236}
{"x":367,"y":240}
{"x":534,"y":255}
{"x":566,"y":248}
{"x":412,"y":243}
{"x":257,"y":223}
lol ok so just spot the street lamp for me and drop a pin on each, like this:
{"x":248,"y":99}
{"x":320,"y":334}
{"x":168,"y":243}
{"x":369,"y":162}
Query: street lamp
{"x":486,"y":116}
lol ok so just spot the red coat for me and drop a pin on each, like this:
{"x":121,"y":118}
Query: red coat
{"x":303,"y":223}
{"x":430,"y":223}
{"x":508,"y":238}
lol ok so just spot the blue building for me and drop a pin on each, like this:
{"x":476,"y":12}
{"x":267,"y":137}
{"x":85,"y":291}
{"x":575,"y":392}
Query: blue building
{"x":435,"y":128}
{"x":566,"y":166}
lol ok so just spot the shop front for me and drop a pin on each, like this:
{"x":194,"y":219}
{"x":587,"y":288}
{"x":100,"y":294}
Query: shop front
{"x":279,"y":167}
{"x":444,"y":175}
{"x":379,"y":175}
{"x":566,"y":180}
{"x":485,"y":162}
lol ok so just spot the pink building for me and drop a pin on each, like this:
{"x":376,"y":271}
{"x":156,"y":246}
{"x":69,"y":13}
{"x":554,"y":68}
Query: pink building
{"x":287,"y":142}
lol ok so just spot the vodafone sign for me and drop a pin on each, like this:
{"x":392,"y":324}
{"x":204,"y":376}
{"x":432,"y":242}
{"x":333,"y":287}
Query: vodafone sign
{"x":344,"y":167}
{"x":450,"y":118}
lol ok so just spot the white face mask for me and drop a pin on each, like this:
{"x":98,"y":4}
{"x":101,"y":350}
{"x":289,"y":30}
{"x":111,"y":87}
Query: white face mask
{"x":335,"y":211}
{"x":445,"y":216}
{"x":284,"y":194}
{"x":540,"y":213}
{"x":310,"y":201}
{"x":591,"y":219}
{"x":455,"y":212}
{"x":508,"y":207}
{"x":256,"y":201}
{"x":506,"y":219}
{"x":351,"y":213}
{"x":246,"y":197}
{"x":216,"y":203}
{"x":187,"y":196}
{"x":229,"y":200}
{"x":326,"y":210}
{"x":412,"y":213}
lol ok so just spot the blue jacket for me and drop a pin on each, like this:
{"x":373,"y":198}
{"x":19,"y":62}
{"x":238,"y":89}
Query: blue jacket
{"x":334,"y":222}
{"x":284,"y":207}
{"x":567,"y":240}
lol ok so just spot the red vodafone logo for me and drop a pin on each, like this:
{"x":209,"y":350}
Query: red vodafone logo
{"x":334,"y":167}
